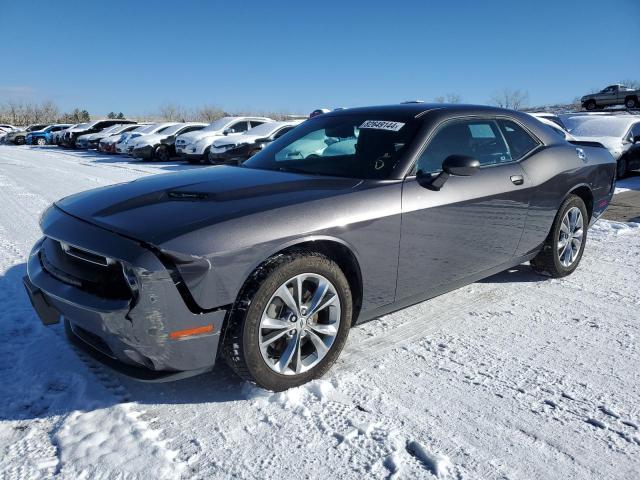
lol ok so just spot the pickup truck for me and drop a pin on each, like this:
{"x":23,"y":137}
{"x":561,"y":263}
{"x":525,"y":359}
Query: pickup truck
{"x":612,"y":95}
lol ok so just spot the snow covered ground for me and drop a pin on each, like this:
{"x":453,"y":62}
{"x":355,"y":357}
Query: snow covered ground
{"x":515,"y":377}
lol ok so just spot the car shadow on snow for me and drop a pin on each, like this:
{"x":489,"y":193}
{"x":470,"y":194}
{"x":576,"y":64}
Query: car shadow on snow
{"x":173,"y":165}
{"x":522,"y":273}
{"x":45,"y":375}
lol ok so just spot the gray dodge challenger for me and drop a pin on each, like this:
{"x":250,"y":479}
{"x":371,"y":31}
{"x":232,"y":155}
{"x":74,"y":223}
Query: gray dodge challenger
{"x":351,"y":215}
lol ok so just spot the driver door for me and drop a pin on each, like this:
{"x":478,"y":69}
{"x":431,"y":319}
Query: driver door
{"x":472,"y":223}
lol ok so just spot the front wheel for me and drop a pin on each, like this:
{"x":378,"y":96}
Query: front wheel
{"x":591,"y":105}
{"x":631,"y":103}
{"x":162,"y":153}
{"x":41,"y":141}
{"x":563,"y":248}
{"x":290,"y":321}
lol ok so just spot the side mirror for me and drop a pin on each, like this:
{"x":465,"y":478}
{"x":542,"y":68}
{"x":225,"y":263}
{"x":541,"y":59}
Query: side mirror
{"x":460,"y":165}
{"x":228,"y":131}
{"x":457,"y":165}
{"x":636,"y":139}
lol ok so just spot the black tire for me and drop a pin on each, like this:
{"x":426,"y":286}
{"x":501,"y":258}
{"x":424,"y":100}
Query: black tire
{"x":631,"y":102}
{"x":162,"y":153}
{"x":241,"y":336}
{"x":19,"y":140}
{"x":590,"y":105}
{"x":621,"y":168}
{"x":547,"y":262}
{"x":41,"y":141}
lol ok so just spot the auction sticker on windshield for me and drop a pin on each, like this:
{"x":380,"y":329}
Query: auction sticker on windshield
{"x":382,"y":125}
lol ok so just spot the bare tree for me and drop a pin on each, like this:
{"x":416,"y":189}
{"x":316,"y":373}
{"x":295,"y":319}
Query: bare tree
{"x":209,"y":113}
{"x":448,"y":98}
{"x":508,"y":98}
{"x":172,"y":112}
{"x":635,"y":84}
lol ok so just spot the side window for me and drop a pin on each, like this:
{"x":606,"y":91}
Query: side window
{"x":255,"y":123}
{"x":480,"y":139}
{"x":192,"y":128}
{"x":239,"y":127}
{"x":282,"y":132}
{"x":520,"y":142}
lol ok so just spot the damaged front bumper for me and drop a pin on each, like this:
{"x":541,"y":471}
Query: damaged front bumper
{"x":132,"y":324}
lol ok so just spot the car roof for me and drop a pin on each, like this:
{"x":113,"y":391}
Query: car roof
{"x":416,"y":110}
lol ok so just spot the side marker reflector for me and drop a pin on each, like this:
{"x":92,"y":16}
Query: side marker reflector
{"x":190,"y":332}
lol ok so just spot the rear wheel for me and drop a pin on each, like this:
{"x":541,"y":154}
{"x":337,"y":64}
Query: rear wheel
{"x":563,"y":248}
{"x":290,"y":321}
{"x":19,"y":141}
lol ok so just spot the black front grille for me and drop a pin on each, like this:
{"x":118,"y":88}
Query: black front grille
{"x":86,"y":270}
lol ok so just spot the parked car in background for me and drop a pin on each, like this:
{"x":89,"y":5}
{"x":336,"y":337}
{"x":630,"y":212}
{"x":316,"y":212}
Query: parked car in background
{"x":620,"y":134}
{"x":160,"y":146}
{"x":56,"y":137}
{"x":18,"y":137}
{"x":235,"y":149}
{"x":45,"y":136}
{"x":91,"y":140}
{"x":555,"y":123}
{"x":108,"y":144}
{"x":124,"y":145}
{"x":7,"y":127}
{"x":271,"y":263}
{"x":71,"y":135}
{"x":194,"y":147}
{"x":612,"y":95}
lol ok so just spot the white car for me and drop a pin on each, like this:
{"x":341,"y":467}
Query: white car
{"x":159,"y":146}
{"x":123,"y":146}
{"x":108,"y":143}
{"x":91,"y":140}
{"x":553,"y":121}
{"x":620,"y":134}
{"x":237,"y":148}
{"x":194,"y":146}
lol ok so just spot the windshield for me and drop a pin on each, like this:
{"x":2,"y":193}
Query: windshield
{"x":218,"y":124}
{"x":597,"y":127}
{"x":264,"y":130}
{"x":146,"y":128}
{"x":354,"y":146}
{"x":172,"y":129}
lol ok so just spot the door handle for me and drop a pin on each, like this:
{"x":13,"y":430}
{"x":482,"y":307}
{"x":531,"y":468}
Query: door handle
{"x":517,"y":179}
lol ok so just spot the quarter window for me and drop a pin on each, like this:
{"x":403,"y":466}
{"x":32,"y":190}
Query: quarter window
{"x":480,"y":139}
{"x":239,"y":127}
{"x":255,"y":123}
{"x":520,"y":142}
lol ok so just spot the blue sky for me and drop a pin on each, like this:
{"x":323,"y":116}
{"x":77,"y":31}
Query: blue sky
{"x":296,"y":55}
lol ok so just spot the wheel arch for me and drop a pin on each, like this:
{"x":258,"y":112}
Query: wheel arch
{"x":584,"y":192}
{"x":341,"y":252}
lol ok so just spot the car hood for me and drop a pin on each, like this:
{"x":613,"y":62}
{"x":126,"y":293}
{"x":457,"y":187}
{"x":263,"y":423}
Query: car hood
{"x":193,"y":137}
{"x":237,"y":140}
{"x":613,"y":144}
{"x":150,"y":139}
{"x":160,"y":208}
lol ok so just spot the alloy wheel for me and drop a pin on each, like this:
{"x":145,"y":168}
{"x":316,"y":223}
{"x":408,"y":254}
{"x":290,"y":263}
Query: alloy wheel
{"x":570,"y":238}
{"x":299,"y":324}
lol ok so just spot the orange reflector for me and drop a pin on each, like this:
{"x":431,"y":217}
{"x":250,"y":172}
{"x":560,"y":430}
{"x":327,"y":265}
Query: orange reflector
{"x":191,"y":332}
